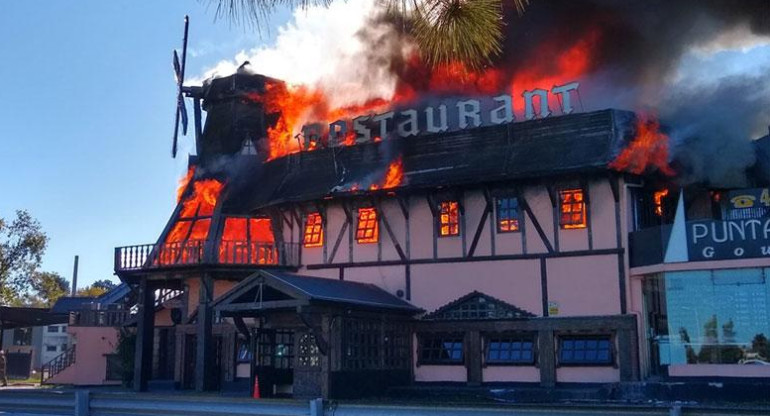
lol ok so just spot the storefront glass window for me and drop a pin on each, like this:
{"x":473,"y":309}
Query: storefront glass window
{"x":717,"y":317}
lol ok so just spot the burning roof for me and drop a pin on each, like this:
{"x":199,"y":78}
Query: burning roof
{"x":482,"y":155}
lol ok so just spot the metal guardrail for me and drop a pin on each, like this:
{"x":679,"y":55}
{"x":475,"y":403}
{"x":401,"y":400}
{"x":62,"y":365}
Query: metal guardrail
{"x":83,"y":403}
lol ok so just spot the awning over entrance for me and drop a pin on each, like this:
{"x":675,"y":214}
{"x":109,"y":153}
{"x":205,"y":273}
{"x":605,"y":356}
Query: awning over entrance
{"x":16,"y":317}
{"x":268,"y":290}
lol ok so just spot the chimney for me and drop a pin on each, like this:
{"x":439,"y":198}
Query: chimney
{"x":75,"y":277}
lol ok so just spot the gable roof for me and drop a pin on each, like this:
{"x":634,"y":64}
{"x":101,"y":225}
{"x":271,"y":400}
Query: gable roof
{"x":306,"y":290}
{"x":477,"y":305}
{"x":573,"y":143}
{"x":67,"y":304}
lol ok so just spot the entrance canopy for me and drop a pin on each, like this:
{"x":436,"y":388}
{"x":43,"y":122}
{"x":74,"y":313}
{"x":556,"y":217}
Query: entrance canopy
{"x":270,"y":290}
{"x":17,"y":317}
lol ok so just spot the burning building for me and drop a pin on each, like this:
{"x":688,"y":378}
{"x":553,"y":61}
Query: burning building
{"x":448,"y":240}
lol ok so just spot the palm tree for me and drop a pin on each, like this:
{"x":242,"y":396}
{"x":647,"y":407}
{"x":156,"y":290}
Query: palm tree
{"x":467,"y":31}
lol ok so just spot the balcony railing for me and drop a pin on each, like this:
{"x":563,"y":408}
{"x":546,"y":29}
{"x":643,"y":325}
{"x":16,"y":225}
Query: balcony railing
{"x":113,"y":318}
{"x":189,"y":253}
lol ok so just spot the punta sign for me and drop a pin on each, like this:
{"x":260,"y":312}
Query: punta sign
{"x":449,"y":115}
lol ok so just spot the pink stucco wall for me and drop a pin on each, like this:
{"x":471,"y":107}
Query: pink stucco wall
{"x":220,"y":288}
{"x":515,"y":281}
{"x":90,"y":367}
{"x":523,"y":374}
{"x":584,"y":286}
{"x":587,"y":375}
{"x":452,"y":373}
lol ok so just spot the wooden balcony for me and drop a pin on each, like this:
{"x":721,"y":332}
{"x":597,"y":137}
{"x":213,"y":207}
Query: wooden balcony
{"x":148,"y":257}
{"x":107,"y":317}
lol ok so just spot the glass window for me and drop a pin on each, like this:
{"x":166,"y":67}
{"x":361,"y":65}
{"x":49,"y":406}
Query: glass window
{"x":53,"y":328}
{"x":314,"y":233}
{"x":590,"y":350}
{"x":716,"y":317}
{"x":572,"y":207}
{"x":50,"y":348}
{"x":501,"y":349}
{"x":22,"y":336}
{"x":368,"y":226}
{"x":441,"y":349}
{"x":507,"y":215}
{"x":449,"y":219}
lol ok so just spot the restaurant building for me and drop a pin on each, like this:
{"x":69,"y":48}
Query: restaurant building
{"x":519,"y":252}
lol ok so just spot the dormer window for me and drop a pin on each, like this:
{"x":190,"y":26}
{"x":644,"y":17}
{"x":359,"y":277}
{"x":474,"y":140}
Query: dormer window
{"x":314,"y":233}
{"x":368,"y":226}
{"x":572,"y":207}
{"x":449,"y":219}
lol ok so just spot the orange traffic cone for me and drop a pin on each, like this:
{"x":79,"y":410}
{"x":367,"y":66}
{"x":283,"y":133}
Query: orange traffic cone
{"x":256,"y":388}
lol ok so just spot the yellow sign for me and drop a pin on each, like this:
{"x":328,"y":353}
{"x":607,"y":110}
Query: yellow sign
{"x":553,"y":308}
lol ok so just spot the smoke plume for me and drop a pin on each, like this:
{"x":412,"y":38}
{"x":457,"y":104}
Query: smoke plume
{"x":635,"y":55}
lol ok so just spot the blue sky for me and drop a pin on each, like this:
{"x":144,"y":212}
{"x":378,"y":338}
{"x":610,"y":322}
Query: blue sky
{"x":86,"y":113}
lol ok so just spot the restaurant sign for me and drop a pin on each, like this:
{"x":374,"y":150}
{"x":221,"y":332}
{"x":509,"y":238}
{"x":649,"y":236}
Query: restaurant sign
{"x":449,"y":115}
{"x":730,"y":239}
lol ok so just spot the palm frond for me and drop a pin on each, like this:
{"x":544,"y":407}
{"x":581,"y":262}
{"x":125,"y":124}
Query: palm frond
{"x":255,"y":12}
{"x":468,"y":31}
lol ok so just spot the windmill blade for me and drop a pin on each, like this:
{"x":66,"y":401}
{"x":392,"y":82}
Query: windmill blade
{"x":181,"y":109}
{"x":177,"y":70}
{"x":183,"y":113}
{"x":176,"y":134}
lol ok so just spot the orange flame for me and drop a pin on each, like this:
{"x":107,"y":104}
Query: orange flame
{"x":296,"y":106}
{"x":648,"y":149}
{"x":395,"y":174}
{"x":247,"y":241}
{"x":658,"y":199}
{"x":203,"y":199}
{"x":183,"y":182}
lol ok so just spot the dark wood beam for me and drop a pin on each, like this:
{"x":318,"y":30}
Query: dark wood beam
{"x":392,"y":235}
{"x":531,"y":256}
{"x":145,"y":329}
{"x":482,"y":222}
{"x":584,"y":184}
{"x":535,"y":223}
{"x":204,"y":357}
{"x":339,"y":241}
{"x":261,"y":306}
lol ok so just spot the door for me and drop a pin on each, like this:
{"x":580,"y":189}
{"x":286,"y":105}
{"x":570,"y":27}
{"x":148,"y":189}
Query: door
{"x":274,"y":362}
{"x":307,"y":369}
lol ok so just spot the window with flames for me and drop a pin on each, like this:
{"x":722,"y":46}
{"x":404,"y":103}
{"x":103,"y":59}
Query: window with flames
{"x":368,"y":227}
{"x":508,"y":212}
{"x":449,"y":219}
{"x":314,"y":232}
{"x":572,"y":207}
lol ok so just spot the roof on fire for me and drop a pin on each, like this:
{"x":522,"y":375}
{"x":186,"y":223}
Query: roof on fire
{"x":538,"y":148}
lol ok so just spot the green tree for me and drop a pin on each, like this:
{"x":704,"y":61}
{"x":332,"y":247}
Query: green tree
{"x":48,"y":287}
{"x":105,"y":284}
{"x":468,"y":31}
{"x":22,"y":244}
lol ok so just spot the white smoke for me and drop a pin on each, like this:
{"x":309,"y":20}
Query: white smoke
{"x":321,"y":47}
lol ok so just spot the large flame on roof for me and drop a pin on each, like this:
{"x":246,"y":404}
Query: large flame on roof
{"x":200,"y":203}
{"x":647,"y":150}
{"x":297,"y":105}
